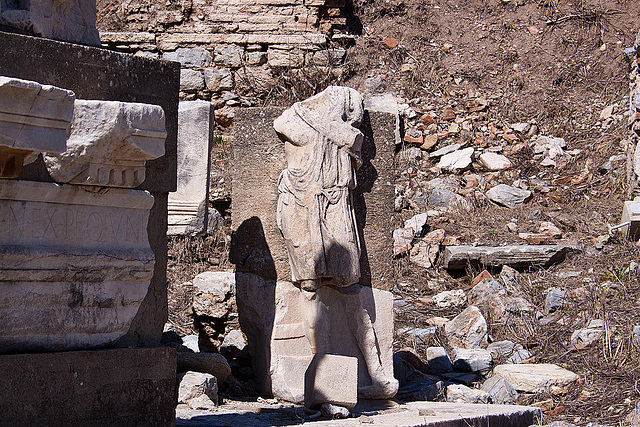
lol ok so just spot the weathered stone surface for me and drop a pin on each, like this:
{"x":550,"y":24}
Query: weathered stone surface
{"x":234,"y":342}
{"x":417,"y":223}
{"x":493,"y":296}
{"x":555,"y":299}
{"x":447,"y":299}
{"x":271,"y":317}
{"x":255,"y":195}
{"x":438,"y":360}
{"x":214,"y":293}
{"x":516,"y":256}
{"x":507,"y":195}
{"x":471,"y":360}
{"x":72,"y":21}
{"x":33,"y":118}
{"x":447,"y":149}
{"x":192,"y":385}
{"x":494,"y":161}
{"x":109,"y":144}
{"x":532,"y":378}
{"x":93,"y":73}
{"x":217,"y":80}
{"x":458,"y":160}
{"x":285,"y":58}
{"x":331,"y":379}
{"x":191,"y":80}
{"x":206,"y":363}
{"x":126,"y":386}
{"x":70,"y":254}
{"x":586,"y":336}
{"x":228,"y":56}
{"x":459,"y":393}
{"x":501,"y":350}
{"x":468,"y":329}
{"x":329,"y":56}
{"x":500,"y":391}
{"x":425,"y":252}
{"x":402,"y":238}
{"x":189,"y":57}
{"x":519,"y":356}
{"x":188,"y":205}
{"x":410,"y":414}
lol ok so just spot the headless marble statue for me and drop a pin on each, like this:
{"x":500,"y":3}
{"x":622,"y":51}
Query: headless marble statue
{"x":317,"y":219}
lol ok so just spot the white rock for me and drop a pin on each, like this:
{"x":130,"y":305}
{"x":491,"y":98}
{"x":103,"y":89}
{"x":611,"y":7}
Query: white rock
{"x":447,"y":299}
{"x":508,"y":196}
{"x":195,"y":384}
{"x":468,"y":329}
{"x":191,"y":342}
{"x":214,"y":293}
{"x":459,"y":393}
{"x":471,"y":359}
{"x":445,"y":150}
{"x":587,"y":336}
{"x":494,"y":162}
{"x":521,"y":127}
{"x":457,"y":160}
{"x":438,"y":360}
{"x":417,"y":222}
{"x":536,"y":378}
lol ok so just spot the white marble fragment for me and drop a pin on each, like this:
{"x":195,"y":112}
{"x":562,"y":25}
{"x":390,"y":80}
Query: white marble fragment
{"x":109,"y":144}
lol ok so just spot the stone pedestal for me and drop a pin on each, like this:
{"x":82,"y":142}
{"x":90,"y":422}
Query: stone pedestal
{"x":271,"y":316}
{"x":74,"y":264}
{"x":125,"y":387}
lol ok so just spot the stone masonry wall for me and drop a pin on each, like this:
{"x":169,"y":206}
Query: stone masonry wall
{"x":228,"y":48}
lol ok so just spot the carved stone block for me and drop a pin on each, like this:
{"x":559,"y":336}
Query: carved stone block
{"x":74,"y":264}
{"x":33,"y":118}
{"x":188,"y":207}
{"x":109,"y":144}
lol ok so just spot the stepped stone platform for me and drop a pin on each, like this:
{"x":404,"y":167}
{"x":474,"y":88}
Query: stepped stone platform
{"x":428,"y":414}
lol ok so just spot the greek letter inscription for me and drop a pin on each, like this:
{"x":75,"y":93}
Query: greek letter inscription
{"x":54,"y":224}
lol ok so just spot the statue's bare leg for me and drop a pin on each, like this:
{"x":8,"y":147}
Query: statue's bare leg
{"x":383,"y":384}
{"x":316,"y":321}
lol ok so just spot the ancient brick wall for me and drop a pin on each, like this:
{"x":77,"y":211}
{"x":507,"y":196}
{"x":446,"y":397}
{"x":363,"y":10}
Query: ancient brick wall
{"x":228,"y":48}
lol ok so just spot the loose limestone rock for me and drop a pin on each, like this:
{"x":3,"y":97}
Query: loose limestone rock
{"x":471,"y":360}
{"x":214,"y":293}
{"x":459,"y":393}
{"x":468,"y":329}
{"x":536,"y":378}
{"x":446,"y":299}
{"x":494,"y":161}
{"x":508,"y":196}
{"x":438,"y":360}
{"x":458,"y":160}
{"x":193,"y":385}
{"x":500,"y":390}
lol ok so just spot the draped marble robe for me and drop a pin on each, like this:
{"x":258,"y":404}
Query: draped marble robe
{"x":315,"y":206}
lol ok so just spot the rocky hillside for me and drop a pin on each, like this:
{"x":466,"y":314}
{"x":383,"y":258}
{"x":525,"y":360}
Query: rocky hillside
{"x":515,"y":132}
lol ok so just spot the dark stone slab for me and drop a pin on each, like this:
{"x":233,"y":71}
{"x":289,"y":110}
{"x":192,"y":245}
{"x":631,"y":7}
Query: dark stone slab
{"x":258,"y":158}
{"x":119,"y":387}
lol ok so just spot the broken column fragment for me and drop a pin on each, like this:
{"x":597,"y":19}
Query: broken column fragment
{"x":109,"y":144}
{"x":456,"y":257}
{"x":34,"y":118}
